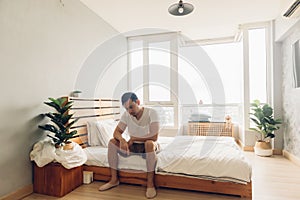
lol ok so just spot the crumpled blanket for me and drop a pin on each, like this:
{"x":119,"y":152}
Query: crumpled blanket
{"x":44,"y":152}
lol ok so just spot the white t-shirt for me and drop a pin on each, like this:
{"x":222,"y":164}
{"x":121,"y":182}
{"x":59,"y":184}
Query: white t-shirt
{"x":141,"y":127}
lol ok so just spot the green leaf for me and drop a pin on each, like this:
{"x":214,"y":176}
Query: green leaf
{"x":255,"y":120}
{"x":71,"y":123}
{"x":259,"y":115}
{"x":60,"y":125}
{"x":55,"y":140}
{"x":277,"y":121}
{"x":271,"y":135}
{"x":56,"y":101}
{"x":49,"y":127}
{"x":60,"y":119}
{"x":268,"y":120}
{"x":66,"y":119}
{"x":53,"y":105}
{"x":62,"y":101}
{"x":264,"y":120}
{"x":256,"y":102}
{"x":73,"y":132}
{"x":267,"y":110}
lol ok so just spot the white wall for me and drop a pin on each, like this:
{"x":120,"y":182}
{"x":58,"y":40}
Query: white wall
{"x":43,"y":45}
{"x":283,"y":24}
{"x":104,"y":72}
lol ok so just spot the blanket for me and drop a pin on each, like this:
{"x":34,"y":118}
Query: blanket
{"x":44,"y":152}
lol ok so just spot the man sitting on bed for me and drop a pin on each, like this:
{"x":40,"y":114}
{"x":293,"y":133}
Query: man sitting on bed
{"x":143,"y":126}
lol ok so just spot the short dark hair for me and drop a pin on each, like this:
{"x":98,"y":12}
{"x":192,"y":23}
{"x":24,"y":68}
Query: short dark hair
{"x":128,"y":95}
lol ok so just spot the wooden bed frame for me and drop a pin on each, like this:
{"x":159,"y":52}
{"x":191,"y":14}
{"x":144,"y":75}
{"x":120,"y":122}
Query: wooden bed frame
{"x":87,"y":109}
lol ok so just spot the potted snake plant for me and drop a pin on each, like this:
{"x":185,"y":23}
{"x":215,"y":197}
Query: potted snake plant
{"x":61,"y":122}
{"x":266,"y":124}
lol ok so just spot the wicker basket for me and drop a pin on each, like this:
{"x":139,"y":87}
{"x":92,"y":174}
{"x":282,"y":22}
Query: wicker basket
{"x":210,"y":128}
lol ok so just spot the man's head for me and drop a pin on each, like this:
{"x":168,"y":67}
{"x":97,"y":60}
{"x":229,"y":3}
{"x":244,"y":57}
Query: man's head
{"x":131,"y":103}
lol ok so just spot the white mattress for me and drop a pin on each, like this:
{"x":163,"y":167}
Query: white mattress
{"x":97,"y":156}
{"x":207,"y":157}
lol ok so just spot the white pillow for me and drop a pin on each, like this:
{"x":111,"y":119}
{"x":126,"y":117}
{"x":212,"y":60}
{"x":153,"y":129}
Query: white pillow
{"x":106,"y":129}
{"x":93,"y":133}
{"x":200,"y":117}
{"x":100,"y":132}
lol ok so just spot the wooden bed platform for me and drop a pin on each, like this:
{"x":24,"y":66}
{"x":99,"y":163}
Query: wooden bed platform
{"x":87,"y":109}
{"x":172,"y":181}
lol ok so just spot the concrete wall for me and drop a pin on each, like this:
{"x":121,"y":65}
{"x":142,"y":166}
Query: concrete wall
{"x":287,"y":31}
{"x":291,"y":95}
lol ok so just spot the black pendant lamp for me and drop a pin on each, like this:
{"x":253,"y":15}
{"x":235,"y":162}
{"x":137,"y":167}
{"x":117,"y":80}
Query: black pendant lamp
{"x":180,"y":9}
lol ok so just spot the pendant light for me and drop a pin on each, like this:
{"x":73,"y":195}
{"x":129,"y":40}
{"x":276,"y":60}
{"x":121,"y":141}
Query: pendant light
{"x":180,"y":9}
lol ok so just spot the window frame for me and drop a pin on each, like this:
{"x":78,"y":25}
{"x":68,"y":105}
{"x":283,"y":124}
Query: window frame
{"x":269,"y":69}
{"x":173,"y":38}
{"x":153,"y":38}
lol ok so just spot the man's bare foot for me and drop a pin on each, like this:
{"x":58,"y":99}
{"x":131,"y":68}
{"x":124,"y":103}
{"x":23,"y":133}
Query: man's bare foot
{"x":108,"y":185}
{"x":150,"y":193}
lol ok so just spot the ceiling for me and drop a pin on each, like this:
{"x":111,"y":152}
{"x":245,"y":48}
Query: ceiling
{"x":210,"y":18}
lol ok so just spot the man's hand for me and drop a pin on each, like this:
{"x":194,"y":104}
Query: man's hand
{"x":124,"y":146}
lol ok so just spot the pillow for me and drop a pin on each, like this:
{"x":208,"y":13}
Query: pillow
{"x":100,"y":132}
{"x":200,"y":117}
{"x":106,"y":129}
{"x":93,"y":133}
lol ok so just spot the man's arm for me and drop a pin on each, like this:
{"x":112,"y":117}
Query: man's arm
{"x":143,"y":139}
{"x":118,"y":133}
{"x":118,"y":136}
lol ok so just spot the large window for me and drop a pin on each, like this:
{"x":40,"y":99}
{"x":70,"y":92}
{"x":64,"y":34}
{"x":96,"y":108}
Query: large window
{"x":159,"y":71}
{"x":135,"y":77}
{"x":228,"y":59}
{"x":257,"y":65}
{"x":164,"y":79}
{"x":152,"y":63}
{"x":218,"y":65}
{"x":257,"y":68}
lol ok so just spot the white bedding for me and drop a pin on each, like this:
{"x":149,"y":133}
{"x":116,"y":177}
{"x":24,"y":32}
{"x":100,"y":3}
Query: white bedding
{"x":208,"y":157}
{"x":97,"y":156}
{"x":211,"y":157}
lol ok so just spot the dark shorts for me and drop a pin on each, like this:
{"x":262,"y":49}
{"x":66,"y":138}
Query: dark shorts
{"x":138,"y":148}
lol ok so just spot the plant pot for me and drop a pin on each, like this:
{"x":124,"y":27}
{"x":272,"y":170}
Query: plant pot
{"x":68,"y":146}
{"x":263,"y":148}
{"x":58,"y":146}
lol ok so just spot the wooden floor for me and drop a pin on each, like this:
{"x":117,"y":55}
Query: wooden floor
{"x":273,"y":178}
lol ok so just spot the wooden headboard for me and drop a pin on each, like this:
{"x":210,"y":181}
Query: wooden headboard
{"x":98,"y":109}
{"x":87,"y":109}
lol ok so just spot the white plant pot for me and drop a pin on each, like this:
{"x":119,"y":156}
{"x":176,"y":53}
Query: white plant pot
{"x":263,"y":152}
{"x":263,"y":148}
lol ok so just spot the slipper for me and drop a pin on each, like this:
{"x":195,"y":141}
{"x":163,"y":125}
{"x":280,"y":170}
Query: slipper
{"x":150,"y":193}
{"x":108,"y":186}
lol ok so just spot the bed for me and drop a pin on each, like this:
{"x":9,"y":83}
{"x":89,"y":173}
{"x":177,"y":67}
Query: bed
{"x":216,"y":164}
